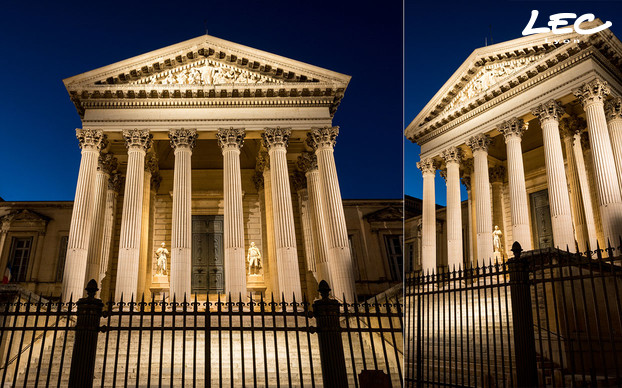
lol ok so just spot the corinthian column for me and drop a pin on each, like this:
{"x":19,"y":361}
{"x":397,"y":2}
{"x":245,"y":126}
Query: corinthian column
{"x":265,"y":180}
{"x":231,"y":140}
{"x":182,"y":141}
{"x":592,"y":96}
{"x":276,"y":140}
{"x":452,"y":157}
{"x":483,"y":208}
{"x":107,"y":164}
{"x":138,"y":142}
{"x":81,"y":217}
{"x":307,"y":162}
{"x":428,"y":216}
{"x":513,"y":130}
{"x":569,"y":128}
{"x":114,"y":186}
{"x":323,"y":140}
{"x":549,"y":114}
{"x":613,"y":109}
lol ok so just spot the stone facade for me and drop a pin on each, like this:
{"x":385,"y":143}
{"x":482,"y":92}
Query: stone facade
{"x":538,"y":127}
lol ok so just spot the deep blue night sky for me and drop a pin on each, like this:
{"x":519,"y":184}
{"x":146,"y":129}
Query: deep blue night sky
{"x":440,"y":35}
{"x":44,"y":42}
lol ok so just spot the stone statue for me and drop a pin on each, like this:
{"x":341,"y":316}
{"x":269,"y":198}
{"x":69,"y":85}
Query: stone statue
{"x":254,"y":259}
{"x":496,"y":239}
{"x":161,"y":258}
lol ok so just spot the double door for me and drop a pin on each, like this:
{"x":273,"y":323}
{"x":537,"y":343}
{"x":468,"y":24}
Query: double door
{"x":207,"y":254}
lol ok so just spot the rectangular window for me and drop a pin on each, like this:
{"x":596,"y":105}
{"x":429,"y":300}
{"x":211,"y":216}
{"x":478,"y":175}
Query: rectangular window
{"x":19,"y":257}
{"x":62,"y":256}
{"x":394,"y":254}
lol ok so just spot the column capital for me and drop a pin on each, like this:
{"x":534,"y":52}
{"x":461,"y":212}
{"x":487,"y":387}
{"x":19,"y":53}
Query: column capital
{"x":443,"y":173}
{"x":156,"y":179}
{"x":479,"y":142}
{"x":231,"y":138}
{"x":613,"y":109}
{"x":137,"y":138}
{"x":427,"y":166}
{"x":592,"y":92}
{"x":325,"y":137}
{"x":107,"y":163}
{"x":513,"y":127}
{"x":276,"y":137}
{"x":307,"y":162}
{"x":151,"y":163}
{"x":115,"y":182}
{"x":299,"y":181}
{"x":452,"y":155}
{"x":497,"y":174}
{"x":90,"y":138}
{"x":263,"y":162}
{"x":183,"y":138}
{"x":570,"y":126}
{"x":550,"y":110}
{"x":466,"y":181}
{"x":258,"y":180}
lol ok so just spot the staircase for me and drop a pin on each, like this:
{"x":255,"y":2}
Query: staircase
{"x":154,"y":356}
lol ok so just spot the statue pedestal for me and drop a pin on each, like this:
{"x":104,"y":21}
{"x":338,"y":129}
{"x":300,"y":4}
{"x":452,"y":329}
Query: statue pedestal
{"x":160,"y":288}
{"x":255,"y":284}
{"x":498,"y":257}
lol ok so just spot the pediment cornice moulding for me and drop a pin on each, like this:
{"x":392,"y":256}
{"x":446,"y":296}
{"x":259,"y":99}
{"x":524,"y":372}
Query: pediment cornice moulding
{"x":209,"y":47}
{"x":553,"y":58}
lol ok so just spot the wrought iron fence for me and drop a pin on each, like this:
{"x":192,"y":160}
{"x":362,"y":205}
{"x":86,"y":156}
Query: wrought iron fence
{"x":543,"y":318}
{"x":253,"y":343}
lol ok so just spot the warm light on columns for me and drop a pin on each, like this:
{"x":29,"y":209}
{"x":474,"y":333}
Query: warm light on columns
{"x":428,"y":217}
{"x":483,"y":206}
{"x":81,"y":216}
{"x":549,"y":114}
{"x":592,"y":96}
{"x":453,"y":157}
{"x":512,"y":131}
{"x":231,"y":141}
{"x":182,"y":141}
{"x":138,"y":141}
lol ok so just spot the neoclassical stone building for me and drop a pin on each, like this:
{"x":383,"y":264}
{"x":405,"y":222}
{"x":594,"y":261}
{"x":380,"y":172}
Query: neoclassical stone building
{"x":207,"y":146}
{"x":533,"y":128}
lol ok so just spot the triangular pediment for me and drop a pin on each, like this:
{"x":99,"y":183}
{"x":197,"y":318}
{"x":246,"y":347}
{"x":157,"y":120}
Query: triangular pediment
{"x":206,"y":60}
{"x":206,"y":70}
{"x":493,"y":73}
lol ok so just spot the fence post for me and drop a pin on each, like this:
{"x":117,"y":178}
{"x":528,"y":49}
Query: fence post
{"x":522,"y":320}
{"x":89,"y":312}
{"x":332,"y":357}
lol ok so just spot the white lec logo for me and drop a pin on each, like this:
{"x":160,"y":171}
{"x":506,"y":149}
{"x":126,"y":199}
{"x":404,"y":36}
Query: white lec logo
{"x":557,"y":20}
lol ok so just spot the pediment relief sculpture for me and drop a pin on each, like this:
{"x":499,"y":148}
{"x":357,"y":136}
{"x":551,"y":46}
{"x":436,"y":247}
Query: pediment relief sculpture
{"x":486,"y":78}
{"x":207,"y":73}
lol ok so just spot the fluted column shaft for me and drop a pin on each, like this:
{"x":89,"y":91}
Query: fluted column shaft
{"x":428,"y":216}
{"x":137,"y":141}
{"x":584,"y":190}
{"x":183,"y":141}
{"x":340,"y":260}
{"x":592,"y":96}
{"x":81,"y":216}
{"x":513,"y":130}
{"x":114,"y":184}
{"x":97,"y":229}
{"x":613,"y":110}
{"x":455,"y":258}
{"x":231,"y":140}
{"x":276,"y":140}
{"x":483,"y":206}
{"x":308,"y":163}
{"x":559,"y":200}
